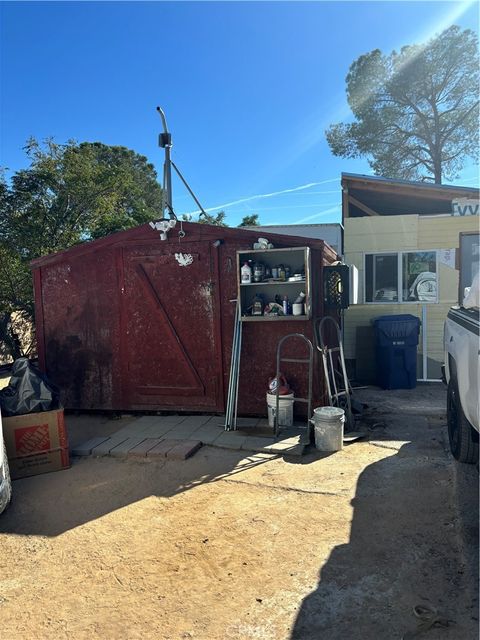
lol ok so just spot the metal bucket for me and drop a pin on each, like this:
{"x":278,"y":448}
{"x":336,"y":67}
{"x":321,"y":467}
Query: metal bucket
{"x":285,"y":409}
{"x":328,"y":428}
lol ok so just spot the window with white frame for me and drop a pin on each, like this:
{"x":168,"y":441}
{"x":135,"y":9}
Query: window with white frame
{"x":406,"y":276}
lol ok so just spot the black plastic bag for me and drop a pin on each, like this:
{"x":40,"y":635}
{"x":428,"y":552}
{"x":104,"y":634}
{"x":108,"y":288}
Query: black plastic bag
{"x":29,"y":391}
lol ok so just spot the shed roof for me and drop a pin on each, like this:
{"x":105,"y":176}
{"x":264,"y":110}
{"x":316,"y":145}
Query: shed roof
{"x":145,"y":233}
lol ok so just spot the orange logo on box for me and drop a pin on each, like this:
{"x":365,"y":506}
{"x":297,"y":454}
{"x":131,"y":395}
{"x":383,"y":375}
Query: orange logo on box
{"x":32,"y":439}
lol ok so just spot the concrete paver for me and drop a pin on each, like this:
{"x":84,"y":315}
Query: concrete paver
{"x":158,"y":430}
{"x":142,"y":448}
{"x":123,"y":448}
{"x":184,"y":432}
{"x":247,"y":422}
{"x":216,"y":421}
{"x":196,"y":421}
{"x":208,"y":433}
{"x":86,"y":448}
{"x":230,"y":440}
{"x":241,"y":422}
{"x":162,"y":448}
{"x":208,"y":430}
{"x":184,"y":450}
{"x":105,"y":448}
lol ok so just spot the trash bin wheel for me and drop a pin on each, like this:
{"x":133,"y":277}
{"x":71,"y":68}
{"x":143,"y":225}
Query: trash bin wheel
{"x":463,"y":439}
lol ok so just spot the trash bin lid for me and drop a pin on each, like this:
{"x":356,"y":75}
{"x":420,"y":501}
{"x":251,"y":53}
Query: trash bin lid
{"x":328,"y":412}
{"x":397,"y":326}
{"x":401,"y":317}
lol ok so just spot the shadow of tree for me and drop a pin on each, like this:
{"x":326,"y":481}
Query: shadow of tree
{"x":399,"y":539}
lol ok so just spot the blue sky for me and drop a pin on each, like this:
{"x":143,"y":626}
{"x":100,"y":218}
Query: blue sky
{"x":248,"y":88}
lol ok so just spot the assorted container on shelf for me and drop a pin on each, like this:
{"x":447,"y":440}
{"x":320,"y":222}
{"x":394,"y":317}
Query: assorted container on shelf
{"x":282,"y":306}
{"x":259,"y":272}
{"x":264,"y":300}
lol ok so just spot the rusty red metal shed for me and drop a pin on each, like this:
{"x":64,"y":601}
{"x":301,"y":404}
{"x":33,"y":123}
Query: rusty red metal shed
{"x":121,"y":326}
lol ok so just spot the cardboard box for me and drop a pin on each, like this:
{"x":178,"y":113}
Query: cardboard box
{"x":36,"y":443}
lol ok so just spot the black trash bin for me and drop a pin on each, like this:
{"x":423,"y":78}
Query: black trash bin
{"x":396,"y":340}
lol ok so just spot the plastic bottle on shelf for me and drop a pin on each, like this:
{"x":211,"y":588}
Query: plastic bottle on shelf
{"x":286,"y":305}
{"x":246,"y":273}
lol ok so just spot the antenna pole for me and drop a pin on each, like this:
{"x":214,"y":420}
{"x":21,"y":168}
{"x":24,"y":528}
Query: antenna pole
{"x":165,"y":142}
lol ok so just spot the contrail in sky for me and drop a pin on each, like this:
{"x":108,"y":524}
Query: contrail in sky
{"x":318,"y":215}
{"x":264,"y":195}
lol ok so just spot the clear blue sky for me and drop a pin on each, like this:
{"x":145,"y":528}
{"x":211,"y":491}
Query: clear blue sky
{"x":248,"y":89}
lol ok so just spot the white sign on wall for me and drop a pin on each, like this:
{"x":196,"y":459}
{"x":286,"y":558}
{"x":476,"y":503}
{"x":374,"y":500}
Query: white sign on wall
{"x":447,"y":257}
{"x":465,"y":207}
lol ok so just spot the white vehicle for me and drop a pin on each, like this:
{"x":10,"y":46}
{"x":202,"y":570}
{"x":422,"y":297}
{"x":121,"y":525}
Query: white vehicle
{"x":5,"y":482}
{"x":462,"y":361}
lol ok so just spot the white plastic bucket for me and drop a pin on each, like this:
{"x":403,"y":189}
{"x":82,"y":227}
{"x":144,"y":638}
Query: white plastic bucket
{"x":285,"y":409}
{"x":328,"y":427}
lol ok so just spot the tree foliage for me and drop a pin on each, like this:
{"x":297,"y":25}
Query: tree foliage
{"x":250,"y":221}
{"x":217,"y":219}
{"x":69,"y":193}
{"x":417,"y":111}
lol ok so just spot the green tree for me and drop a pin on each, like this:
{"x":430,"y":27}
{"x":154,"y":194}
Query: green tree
{"x":417,"y":111}
{"x":69,"y":193}
{"x":217,"y":219}
{"x":250,"y":221}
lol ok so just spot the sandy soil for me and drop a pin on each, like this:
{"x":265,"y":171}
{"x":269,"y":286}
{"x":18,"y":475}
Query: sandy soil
{"x":227,"y":547}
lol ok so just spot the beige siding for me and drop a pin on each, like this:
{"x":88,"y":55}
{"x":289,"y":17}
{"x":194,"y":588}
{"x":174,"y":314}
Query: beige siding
{"x":378,"y":233}
{"x":404,"y":233}
{"x":442,"y":232}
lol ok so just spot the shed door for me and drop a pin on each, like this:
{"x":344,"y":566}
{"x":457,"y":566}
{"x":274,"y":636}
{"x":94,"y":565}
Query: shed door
{"x":169,"y":341}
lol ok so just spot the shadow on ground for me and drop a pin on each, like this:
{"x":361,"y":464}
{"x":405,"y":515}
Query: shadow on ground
{"x":50,"y":504}
{"x":413,"y":540}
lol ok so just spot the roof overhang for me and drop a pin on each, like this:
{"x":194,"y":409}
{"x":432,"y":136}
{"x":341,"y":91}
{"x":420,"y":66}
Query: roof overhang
{"x":372,"y":196}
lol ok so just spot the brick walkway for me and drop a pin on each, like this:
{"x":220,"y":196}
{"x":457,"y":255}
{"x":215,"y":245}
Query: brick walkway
{"x":179,"y":437}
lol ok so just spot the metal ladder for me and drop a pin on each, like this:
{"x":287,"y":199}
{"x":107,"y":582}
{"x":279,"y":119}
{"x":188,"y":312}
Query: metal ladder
{"x":339,"y":391}
{"x":308,"y":361}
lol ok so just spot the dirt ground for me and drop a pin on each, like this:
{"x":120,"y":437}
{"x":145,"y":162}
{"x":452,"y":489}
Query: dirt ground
{"x":224,"y":546}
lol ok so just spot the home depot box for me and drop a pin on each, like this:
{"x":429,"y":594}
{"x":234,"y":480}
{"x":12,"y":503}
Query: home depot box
{"x":36,"y":443}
